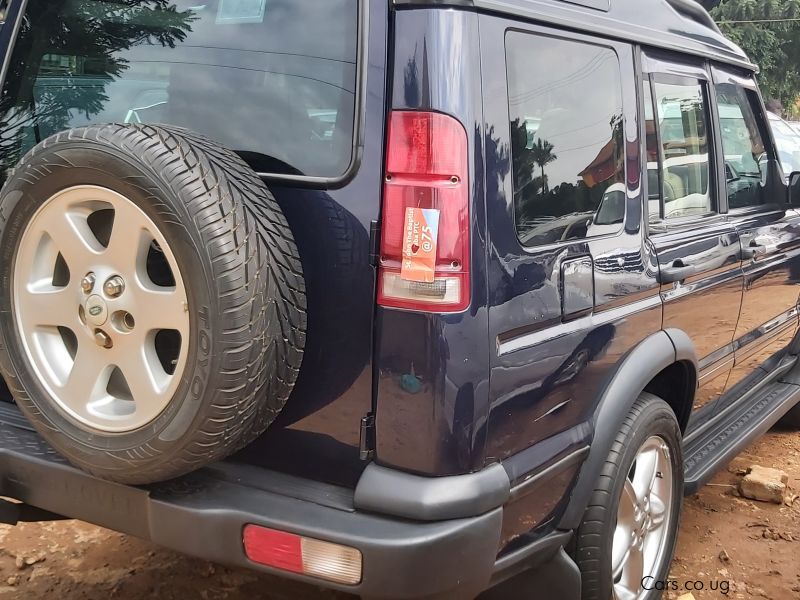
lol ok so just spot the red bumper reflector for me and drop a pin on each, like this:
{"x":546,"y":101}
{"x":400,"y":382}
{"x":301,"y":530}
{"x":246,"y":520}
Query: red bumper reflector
{"x":273,"y":548}
{"x":298,"y":554}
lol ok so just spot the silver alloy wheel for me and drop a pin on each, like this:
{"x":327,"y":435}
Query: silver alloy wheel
{"x":101,"y":357}
{"x":643,"y":520}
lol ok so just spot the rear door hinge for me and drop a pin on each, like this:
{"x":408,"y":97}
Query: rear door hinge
{"x":366,"y":444}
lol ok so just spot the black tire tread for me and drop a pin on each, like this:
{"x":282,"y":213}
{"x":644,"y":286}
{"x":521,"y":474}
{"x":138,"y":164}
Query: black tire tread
{"x":590,"y":538}
{"x":252,"y":256}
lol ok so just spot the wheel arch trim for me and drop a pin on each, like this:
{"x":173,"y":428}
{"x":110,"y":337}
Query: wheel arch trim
{"x":651,"y":356}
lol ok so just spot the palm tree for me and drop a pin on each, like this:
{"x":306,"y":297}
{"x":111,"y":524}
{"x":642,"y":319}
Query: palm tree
{"x":542,"y":155}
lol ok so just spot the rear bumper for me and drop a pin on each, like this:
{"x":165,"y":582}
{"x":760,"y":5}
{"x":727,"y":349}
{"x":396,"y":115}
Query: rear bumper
{"x":204,"y":514}
{"x":400,"y":559}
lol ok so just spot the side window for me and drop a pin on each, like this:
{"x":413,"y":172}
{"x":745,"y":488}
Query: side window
{"x":683,"y":166}
{"x":567,"y":145}
{"x":745,"y":152}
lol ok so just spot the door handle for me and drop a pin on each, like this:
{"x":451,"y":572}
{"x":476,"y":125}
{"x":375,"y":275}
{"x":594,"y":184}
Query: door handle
{"x":677,"y":272}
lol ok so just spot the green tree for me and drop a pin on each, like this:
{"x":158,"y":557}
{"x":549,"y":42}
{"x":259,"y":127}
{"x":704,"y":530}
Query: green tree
{"x":766,"y":31}
{"x":88,"y":32}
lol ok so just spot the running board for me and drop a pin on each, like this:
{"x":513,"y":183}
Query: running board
{"x":715,"y":447}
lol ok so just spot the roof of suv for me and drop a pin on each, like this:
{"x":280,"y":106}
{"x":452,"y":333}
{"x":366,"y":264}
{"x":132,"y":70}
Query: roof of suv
{"x":679,"y":25}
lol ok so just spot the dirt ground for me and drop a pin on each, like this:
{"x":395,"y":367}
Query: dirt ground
{"x":727,"y":543}
{"x":751,"y":546}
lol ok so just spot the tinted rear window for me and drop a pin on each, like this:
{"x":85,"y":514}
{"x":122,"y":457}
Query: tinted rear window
{"x":566,"y":139}
{"x":271,"y":79}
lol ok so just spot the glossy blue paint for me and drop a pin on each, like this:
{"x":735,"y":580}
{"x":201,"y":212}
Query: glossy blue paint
{"x":666,"y":24}
{"x":437,"y":430}
{"x":547,"y":369}
{"x":519,"y":376}
{"x":317,"y":433}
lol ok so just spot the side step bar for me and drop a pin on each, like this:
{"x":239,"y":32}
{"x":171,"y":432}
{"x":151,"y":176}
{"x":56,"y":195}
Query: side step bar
{"x":710,"y":451}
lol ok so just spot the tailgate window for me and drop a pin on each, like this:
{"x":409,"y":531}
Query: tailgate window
{"x":273,"y":80}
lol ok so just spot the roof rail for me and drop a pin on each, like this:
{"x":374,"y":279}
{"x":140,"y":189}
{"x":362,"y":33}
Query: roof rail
{"x":695,"y":12}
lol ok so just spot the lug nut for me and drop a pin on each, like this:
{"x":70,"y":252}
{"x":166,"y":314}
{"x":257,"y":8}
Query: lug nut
{"x":87,"y":283}
{"x":114,"y":286}
{"x":103,"y":339}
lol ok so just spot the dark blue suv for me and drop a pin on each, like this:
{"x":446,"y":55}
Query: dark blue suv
{"x":405,"y":298}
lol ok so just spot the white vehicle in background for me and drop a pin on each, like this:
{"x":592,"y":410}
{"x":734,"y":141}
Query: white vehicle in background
{"x":787,"y":143}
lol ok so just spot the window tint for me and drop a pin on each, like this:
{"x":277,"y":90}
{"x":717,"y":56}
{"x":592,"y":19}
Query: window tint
{"x":684,"y":167}
{"x":566,"y":138}
{"x":272,"y":79}
{"x":653,"y":155}
{"x":743,"y":145}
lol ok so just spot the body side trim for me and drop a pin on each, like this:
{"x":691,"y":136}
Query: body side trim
{"x":752,"y":340}
{"x":529,"y":485}
{"x":506,"y":345}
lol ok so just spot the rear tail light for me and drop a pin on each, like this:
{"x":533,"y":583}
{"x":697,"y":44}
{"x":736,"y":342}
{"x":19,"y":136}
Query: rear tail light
{"x":426,"y":168}
{"x":299,"y":554}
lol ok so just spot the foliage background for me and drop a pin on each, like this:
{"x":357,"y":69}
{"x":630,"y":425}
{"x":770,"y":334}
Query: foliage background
{"x":769,"y":31}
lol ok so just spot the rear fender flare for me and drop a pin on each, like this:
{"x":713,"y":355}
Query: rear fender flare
{"x":636,"y":370}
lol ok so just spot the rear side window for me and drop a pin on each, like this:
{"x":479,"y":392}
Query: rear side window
{"x":746,"y":160}
{"x":273,"y":80}
{"x":681,"y":118}
{"x":566,"y":139}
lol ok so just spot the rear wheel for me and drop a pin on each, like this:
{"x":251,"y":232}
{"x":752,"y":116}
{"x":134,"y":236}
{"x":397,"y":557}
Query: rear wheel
{"x":627,"y":538}
{"x":152,"y":310}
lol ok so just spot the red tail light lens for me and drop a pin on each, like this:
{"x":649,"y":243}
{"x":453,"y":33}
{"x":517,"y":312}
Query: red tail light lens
{"x":426,"y":168}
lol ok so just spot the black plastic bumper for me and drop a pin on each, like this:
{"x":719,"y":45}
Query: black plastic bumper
{"x":204,"y":514}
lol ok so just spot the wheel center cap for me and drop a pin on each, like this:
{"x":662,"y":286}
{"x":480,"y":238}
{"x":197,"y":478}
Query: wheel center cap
{"x":96,"y":310}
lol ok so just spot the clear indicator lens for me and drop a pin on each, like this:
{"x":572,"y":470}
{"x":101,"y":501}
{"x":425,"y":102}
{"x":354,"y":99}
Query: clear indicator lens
{"x":444,"y":290}
{"x":331,"y":561}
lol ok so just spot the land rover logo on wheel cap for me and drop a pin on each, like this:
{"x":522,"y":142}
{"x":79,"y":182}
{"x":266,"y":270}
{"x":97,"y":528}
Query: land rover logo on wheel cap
{"x":96,"y":311}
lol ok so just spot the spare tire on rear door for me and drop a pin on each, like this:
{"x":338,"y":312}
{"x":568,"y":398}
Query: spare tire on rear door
{"x":152,"y":303}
